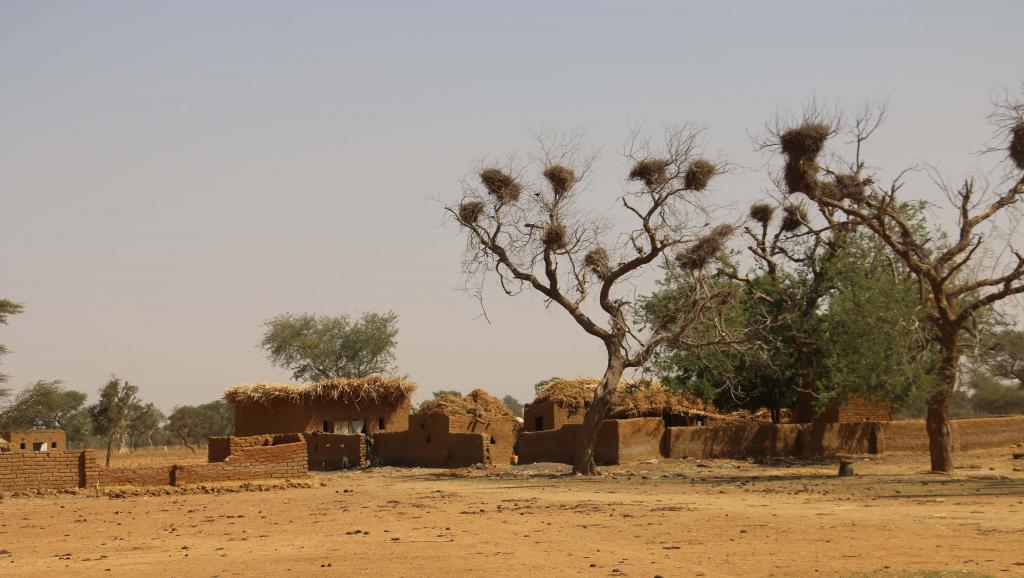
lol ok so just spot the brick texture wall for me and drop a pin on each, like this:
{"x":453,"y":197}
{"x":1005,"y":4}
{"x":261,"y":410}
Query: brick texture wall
{"x":288,"y":460}
{"x":138,"y":476}
{"x":46,"y":470}
{"x":327,"y":452}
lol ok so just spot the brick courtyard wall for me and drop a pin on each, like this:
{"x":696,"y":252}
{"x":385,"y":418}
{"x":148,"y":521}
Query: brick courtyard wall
{"x":327,"y":452}
{"x":286,"y":460}
{"x":53,"y":470}
{"x":138,"y":476}
{"x":732,"y":441}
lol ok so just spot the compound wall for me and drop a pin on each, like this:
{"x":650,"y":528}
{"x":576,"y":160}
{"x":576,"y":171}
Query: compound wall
{"x":47,"y":470}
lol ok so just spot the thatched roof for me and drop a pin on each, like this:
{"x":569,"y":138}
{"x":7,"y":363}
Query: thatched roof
{"x":376,"y":389}
{"x":477,"y":403}
{"x":633,"y":399}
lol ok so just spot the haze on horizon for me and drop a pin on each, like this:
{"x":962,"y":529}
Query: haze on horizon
{"x":173,"y":174}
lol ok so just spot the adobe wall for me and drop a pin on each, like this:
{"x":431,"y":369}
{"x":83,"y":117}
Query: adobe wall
{"x":829,"y":439}
{"x":732,"y":441}
{"x":326,"y":452}
{"x":552,"y":416}
{"x":52,"y":470}
{"x":500,"y":435}
{"x":22,"y":440}
{"x":308,"y":416}
{"x":138,"y":476}
{"x":287,"y":460}
{"x":467,"y":449}
{"x":637,"y":440}
{"x":854,"y":409}
{"x":968,"y":434}
{"x":389,"y":448}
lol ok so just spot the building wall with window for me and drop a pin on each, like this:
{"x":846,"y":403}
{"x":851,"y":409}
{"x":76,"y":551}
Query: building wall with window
{"x":328,"y":416}
{"x":36,"y":440}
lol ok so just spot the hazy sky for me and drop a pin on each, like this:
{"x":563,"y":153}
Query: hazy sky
{"x":171,"y":174}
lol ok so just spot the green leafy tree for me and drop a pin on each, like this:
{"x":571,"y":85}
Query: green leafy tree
{"x":323,"y":347}
{"x":78,"y":427}
{"x":990,"y":396}
{"x":1002,"y":355}
{"x":513,"y":405}
{"x":7,"y":308}
{"x":146,"y":422}
{"x":112,"y":414}
{"x":960,"y":275}
{"x":44,"y":404}
{"x":193,"y":424}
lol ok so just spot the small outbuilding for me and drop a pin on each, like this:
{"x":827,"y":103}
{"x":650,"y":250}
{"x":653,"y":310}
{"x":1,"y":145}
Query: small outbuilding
{"x":34,"y":440}
{"x":336,"y":406}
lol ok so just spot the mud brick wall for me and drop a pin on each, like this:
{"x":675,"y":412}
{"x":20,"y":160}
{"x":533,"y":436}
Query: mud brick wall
{"x":287,"y":460}
{"x":139,"y":476}
{"x":988,"y":433}
{"x":549,"y":416}
{"x":389,"y":448}
{"x":327,"y":452}
{"x":636,"y":439}
{"x":829,"y":439}
{"x":54,"y":470}
{"x":732,"y":441}
{"x":500,"y":432}
{"x":466,"y":449}
{"x":558,"y":445}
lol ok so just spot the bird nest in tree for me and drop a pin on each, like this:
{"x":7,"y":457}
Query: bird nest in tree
{"x":762,"y":212}
{"x":501,"y":184}
{"x":470,"y":211}
{"x":477,"y":403}
{"x":653,"y":172}
{"x":805,"y":141}
{"x":561,"y":178}
{"x":1017,"y":145}
{"x":634,"y":398}
{"x":699,"y":174}
{"x":375,"y":389}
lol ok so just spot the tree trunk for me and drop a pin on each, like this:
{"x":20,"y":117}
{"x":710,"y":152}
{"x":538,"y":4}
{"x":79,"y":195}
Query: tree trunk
{"x":583,"y":457}
{"x":940,"y":433}
{"x":110,"y":443}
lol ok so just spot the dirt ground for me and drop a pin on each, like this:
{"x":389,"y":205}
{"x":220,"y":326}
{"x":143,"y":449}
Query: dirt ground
{"x":670,"y":518}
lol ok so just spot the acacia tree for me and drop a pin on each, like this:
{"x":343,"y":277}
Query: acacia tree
{"x":316,"y":347}
{"x":535,"y":237}
{"x":112,"y":414}
{"x":957,"y":276}
{"x":7,"y":308}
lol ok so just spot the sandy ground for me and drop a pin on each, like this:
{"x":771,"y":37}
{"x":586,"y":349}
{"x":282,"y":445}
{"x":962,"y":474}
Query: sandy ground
{"x":671,"y":518}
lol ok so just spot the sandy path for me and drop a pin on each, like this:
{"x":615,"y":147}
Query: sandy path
{"x":668,"y":519}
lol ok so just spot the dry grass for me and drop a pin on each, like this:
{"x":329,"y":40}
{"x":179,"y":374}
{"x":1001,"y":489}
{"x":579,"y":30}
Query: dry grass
{"x":159,"y":456}
{"x":477,"y":403}
{"x":376,"y":389}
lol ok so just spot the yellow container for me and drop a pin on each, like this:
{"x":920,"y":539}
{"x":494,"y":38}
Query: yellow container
{"x":515,"y":460}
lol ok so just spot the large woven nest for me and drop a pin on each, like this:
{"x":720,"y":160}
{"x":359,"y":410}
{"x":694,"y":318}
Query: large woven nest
{"x":1017,"y":145}
{"x":376,"y":389}
{"x":477,"y":403}
{"x":632,"y":399}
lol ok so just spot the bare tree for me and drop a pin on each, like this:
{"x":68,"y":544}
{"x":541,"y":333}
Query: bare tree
{"x":536,"y":237}
{"x":959,"y":275}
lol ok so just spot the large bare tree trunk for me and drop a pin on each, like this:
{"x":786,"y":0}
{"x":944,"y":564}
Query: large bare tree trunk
{"x":583,"y":457}
{"x":110,"y":443}
{"x":940,"y":433}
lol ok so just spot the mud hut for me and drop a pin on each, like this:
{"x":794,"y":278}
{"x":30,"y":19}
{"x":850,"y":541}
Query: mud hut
{"x":34,"y":440}
{"x":433,"y":431}
{"x":338,"y":406}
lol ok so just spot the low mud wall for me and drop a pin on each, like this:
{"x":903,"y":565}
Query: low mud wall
{"x":54,"y":470}
{"x":444,"y":450}
{"x":618,"y":441}
{"x":288,"y":460}
{"x":326,"y":452}
{"x":140,"y":476}
{"x":829,"y":439}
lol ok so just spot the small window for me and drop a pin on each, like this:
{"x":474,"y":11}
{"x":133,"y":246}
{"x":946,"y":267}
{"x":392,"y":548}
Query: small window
{"x":380,"y":424}
{"x":538,"y":423}
{"x":22,"y":445}
{"x":493,"y":441}
{"x":53,"y":445}
{"x":328,"y":427}
{"x":38,"y":447}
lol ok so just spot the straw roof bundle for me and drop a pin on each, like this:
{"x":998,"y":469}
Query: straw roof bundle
{"x":632,"y":399}
{"x":375,"y":389}
{"x":699,"y":174}
{"x":654,"y":400}
{"x":477,"y":403}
